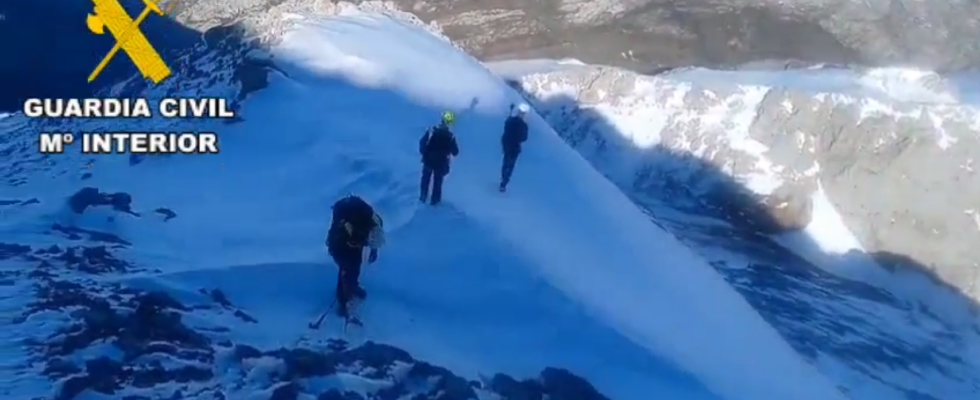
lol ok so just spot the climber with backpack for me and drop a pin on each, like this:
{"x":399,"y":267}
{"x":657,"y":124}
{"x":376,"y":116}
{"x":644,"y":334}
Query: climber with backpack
{"x":514,"y":136}
{"x":354,"y":226}
{"x":436,"y":147}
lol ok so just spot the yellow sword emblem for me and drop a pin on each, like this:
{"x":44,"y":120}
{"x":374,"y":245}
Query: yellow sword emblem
{"x":110,"y":14}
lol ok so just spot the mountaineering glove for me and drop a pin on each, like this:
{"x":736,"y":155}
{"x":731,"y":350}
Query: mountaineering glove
{"x":373,"y":256}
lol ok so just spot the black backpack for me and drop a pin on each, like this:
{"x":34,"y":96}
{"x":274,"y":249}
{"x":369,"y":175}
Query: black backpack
{"x":357,"y":212}
{"x":437,"y":133}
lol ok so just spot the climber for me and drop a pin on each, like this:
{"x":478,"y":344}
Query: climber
{"x":436,"y":146}
{"x":515,"y":134}
{"x":354,"y":226}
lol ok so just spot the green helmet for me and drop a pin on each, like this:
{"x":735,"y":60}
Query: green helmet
{"x":448,"y":117}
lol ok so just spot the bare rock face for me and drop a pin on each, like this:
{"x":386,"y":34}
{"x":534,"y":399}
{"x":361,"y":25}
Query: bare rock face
{"x":678,"y":118}
{"x":646,"y":34}
{"x":900,"y":173}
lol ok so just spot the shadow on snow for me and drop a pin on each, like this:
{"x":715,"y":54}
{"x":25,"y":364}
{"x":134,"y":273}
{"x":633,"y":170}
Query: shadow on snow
{"x":879,"y":335}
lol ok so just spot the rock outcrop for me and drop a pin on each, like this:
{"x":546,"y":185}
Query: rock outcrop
{"x":126,"y":342}
{"x":646,"y":34}
{"x":900,"y":173}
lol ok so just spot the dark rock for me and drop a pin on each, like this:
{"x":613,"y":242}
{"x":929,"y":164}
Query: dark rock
{"x":303,"y":363}
{"x":252,"y":75}
{"x":85,"y":198}
{"x":512,"y":389}
{"x":560,"y":384}
{"x":151,"y":327}
{"x":53,"y":250}
{"x":288,"y":391}
{"x":374,"y":355}
{"x":445,"y":384}
{"x":224,"y":36}
{"x":93,"y":260}
{"x":10,"y":250}
{"x":101,"y":376}
{"x":219,"y":297}
{"x":58,"y":295}
{"x":121,"y":202}
{"x":245,"y":317}
{"x":92,"y":197}
{"x":158,"y":301}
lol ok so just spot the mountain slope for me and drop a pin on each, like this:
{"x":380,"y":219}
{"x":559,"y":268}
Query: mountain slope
{"x":787,"y":135}
{"x":240,"y":268}
{"x":645,"y":35}
{"x":746,"y":169}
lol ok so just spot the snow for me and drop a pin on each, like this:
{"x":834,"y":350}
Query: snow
{"x":642,"y":116}
{"x":890,"y":83}
{"x":825,"y":238}
{"x":909,"y":85}
{"x":562,"y":270}
{"x":829,"y":244}
{"x":516,"y":68}
{"x":608,"y":274}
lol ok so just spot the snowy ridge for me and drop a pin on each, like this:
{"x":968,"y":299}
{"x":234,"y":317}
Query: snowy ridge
{"x":791,"y":137}
{"x":254,"y":231}
{"x":626,"y":247}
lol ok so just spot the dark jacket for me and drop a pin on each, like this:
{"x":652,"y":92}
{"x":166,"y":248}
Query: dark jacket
{"x":435,"y":147}
{"x":515,"y":134}
{"x":350,"y":228}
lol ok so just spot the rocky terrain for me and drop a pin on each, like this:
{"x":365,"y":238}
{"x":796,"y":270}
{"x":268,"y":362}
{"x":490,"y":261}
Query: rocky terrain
{"x":857,"y":154}
{"x":79,"y":322}
{"x":901,"y":174}
{"x":879,"y":345}
{"x":648,"y":34}
{"x":119,"y":340}
{"x":724,"y":168}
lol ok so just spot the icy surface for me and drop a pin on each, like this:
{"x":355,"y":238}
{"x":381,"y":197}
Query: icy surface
{"x":564,"y":270}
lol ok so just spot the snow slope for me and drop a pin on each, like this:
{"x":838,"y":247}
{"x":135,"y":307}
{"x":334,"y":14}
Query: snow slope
{"x":643,"y":132}
{"x":563,"y":270}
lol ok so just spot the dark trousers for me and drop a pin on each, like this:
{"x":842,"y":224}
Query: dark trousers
{"x":434,"y":177}
{"x":348,"y":261}
{"x":507,"y":168}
